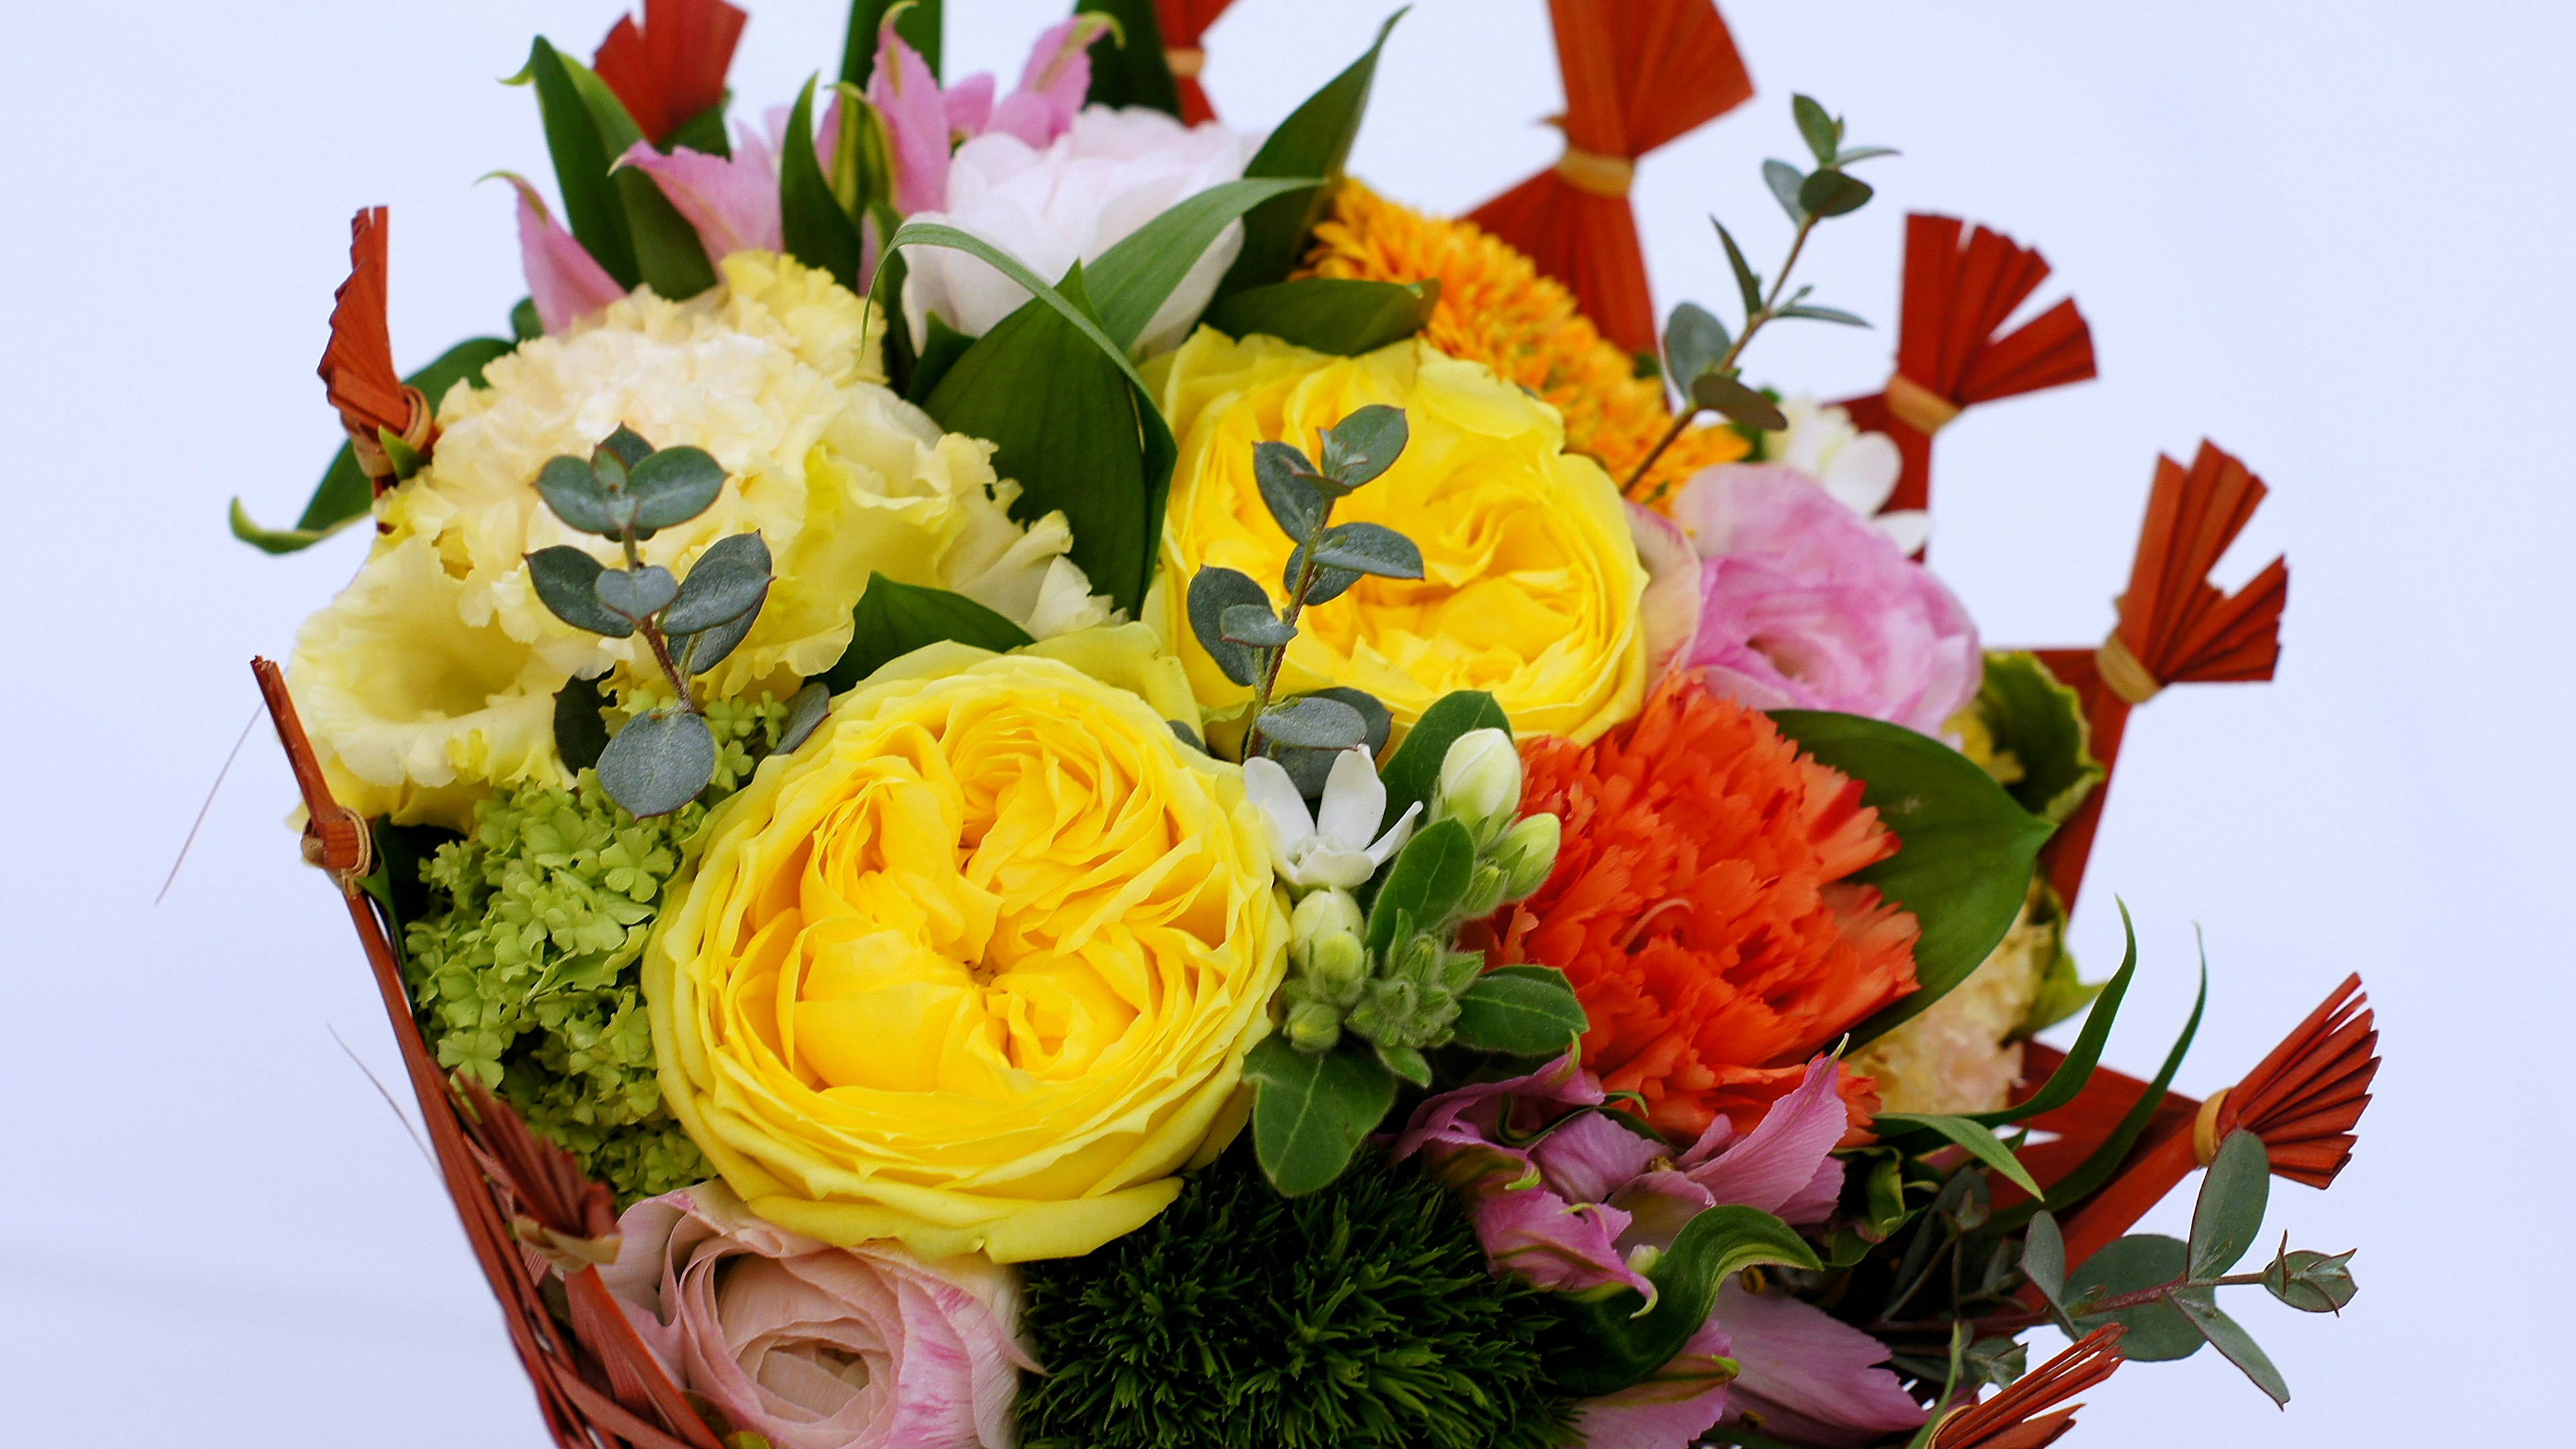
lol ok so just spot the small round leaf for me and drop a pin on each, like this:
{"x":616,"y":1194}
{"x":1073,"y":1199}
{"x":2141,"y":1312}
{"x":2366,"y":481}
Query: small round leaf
{"x":658,"y":763}
{"x":566,"y":580}
{"x":636,"y":594}
{"x":673,"y":486}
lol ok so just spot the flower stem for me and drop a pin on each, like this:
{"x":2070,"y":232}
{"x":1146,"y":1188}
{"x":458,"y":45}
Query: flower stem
{"x":1725,"y":366}
{"x":1306,"y":571}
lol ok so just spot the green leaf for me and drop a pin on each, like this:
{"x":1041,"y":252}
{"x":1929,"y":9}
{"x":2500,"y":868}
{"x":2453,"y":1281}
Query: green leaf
{"x":658,"y":763}
{"x":1521,"y":1011}
{"x":1971,"y":1134}
{"x":2041,"y":743}
{"x":1128,"y":67}
{"x":2064,"y":1084}
{"x":594,"y":209}
{"x":1412,"y":773}
{"x":2158,"y":1331}
{"x":525,"y":324}
{"x":636,"y":594}
{"x":673,"y":486}
{"x":1865,"y":153}
{"x":1824,"y":314}
{"x":707,"y":648}
{"x":2043,"y":1262}
{"x":1424,"y":884}
{"x":1315,"y":140}
{"x":668,"y":257}
{"x":344,"y":494}
{"x":918,"y":26}
{"x":1829,"y":192}
{"x":703,"y":132}
{"x":1133,"y":279}
{"x":1369,"y":548}
{"x":2229,"y":1213}
{"x":1748,"y":283}
{"x":1603,"y":1343}
{"x":1967,"y":850}
{"x":730,"y":578}
{"x":1740,"y":404}
{"x":1333,"y":315}
{"x":1364,"y":444}
{"x":806,"y":710}
{"x":1312,"y":722}
{"x":939,"y":352}
{"x":893,"y":619}
{"x":1254,"y":626}
{"x":2310,"y":1282}
{"x":817,"y":231}
{"x":2097,"y":1167}
{"x":1694,"y":340}
{"x":2230,"y":1338}
{"x":1213,"y":592}
{"x":1406,"y":1062}
{"x":1785,"y":181}
{"x":1288,"y":484}
{"x":567,"y":581}
{"x":1310,"y":1113}
{"x":1822,"y":133}
{"x":1328,"y":584}
{"x":580,"y":733}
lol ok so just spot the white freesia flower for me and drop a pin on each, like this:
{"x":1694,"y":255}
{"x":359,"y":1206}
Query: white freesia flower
{"x":1859,"y":469}
{"x":1070,"y":201}
{"x":1330,"y":847}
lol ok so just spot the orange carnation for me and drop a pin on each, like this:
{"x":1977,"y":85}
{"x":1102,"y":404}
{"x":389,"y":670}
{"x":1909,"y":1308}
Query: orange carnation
{"x":1699,"y":906}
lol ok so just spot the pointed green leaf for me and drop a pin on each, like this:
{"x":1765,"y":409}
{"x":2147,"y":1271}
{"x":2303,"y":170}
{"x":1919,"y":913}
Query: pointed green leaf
{"x":1748,"y":283}
{"x":1128,"y":66}
{"x":1364,"y":444}
{"x":2043,"y":1261}
{"x":2228,"y":1215}
{"x":1522,"y":1011}
{"x":2064,"y":1084}
{"x":1424,"y":884}
{"x":1785,"y":181}
{"x":2230,"y":1338}
{"x":2097,"y":1167}
{"x":1822,"y":133}
{"x":345,"y":494}
{"x":1971,"y":1134}
{"x":1412,"y":773}
{"x":1829,"y":192}
{"x":1740,"y":404}
{"x":1315,"y":140}
{"x":1825,"y":314}
{"x":893,"y":619}
{"x":939,"y":352}
{"x":730,"y":578}
{"x":817,"y":231}
{"x":1311,"y":1112}
{"x":1334,"y":315}
{"x":918,"y":26}
{"x":1133,"y":279}
{"x":594,"y":210}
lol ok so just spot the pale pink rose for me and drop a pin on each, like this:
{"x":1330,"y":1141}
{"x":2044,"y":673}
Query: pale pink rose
{"x":1805,"y":605}
{"x":816,"y":1347}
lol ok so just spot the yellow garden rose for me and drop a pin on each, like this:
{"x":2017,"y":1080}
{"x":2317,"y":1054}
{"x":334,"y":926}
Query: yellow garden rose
{"x":976,"y":967}
{"x":1530,"y":581}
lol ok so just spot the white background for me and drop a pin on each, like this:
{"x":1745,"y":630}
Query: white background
{"x":2332,"y":237}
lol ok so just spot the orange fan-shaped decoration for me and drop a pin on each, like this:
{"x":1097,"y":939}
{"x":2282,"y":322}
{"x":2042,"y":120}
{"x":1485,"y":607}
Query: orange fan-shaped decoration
{"x":358,"y":364}
{"x":2175,"y":626}
{"x":1638,"y":73}
{"x":671,"y":69}
{"x":1947,"y":354}
{"x":2025,"y":1415}
{"x":527,"y":1211}
{"x":1184,"y":24}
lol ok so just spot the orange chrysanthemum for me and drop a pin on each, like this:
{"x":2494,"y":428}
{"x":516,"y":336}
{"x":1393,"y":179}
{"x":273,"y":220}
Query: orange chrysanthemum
{"x":1699,"y":906}
{"x":1496,"y":309}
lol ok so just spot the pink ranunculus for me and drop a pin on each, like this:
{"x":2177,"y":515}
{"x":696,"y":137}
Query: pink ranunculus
{"x":816,"y":1347}
{"x":564,"y":281}
{"x":1805,"y":605}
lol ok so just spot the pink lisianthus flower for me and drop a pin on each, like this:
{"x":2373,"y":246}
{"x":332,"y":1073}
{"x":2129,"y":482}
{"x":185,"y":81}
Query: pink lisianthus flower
{"x":1805,"y":605}
{"x":1595,"y":1195}
{"x":816,"y":1347}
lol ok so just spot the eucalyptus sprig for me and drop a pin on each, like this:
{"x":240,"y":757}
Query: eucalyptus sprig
{"x":1701,"y":357}
{"x":626,"y":492}
{"x":1231,"y":613}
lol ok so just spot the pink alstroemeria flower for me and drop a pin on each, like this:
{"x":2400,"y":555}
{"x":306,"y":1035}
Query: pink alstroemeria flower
{"x":1576,"y":1208}
{"x":924,"y":123}
{"x":730,"y":201}
{"x":564,"y":281}
{"x":817,"y":1347}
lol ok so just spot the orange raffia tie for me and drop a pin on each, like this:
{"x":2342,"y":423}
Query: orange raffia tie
{"x":1185,"y":62}
{"x":2026,"y":1414}
{"x":1919,"y":407}
{"x":357,"y":368}
{"x":1594,"y":172}
{"x":1182,"y":24}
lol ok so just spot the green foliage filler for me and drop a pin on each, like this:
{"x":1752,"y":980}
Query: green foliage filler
{"x":524,"y":968}
{"x":1238,"y":1319}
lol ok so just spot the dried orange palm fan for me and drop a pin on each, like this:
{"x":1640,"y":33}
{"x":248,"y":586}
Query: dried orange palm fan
{"x":2026,"y":1414}
{"x":671,"y":69}
{"x":1638,"y":73}
{"x":358,"y":366}
{"x":525,"y":1208}
{"x":1184,"y":24}
{"x":1948,"y":358}
{"x":2175,"y":627}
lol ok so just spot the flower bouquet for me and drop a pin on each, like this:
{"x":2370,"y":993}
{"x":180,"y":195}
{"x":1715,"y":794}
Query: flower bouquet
{"x":1028,"y":770}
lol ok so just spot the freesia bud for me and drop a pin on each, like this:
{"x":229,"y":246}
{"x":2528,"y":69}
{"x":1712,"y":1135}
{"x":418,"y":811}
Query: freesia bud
{"x":1527,"y":853}
{"x":1480,"y":783}
{"x":1484,"y":893}
{"x":1314,"y":1027}
{"x":1326,"y":913}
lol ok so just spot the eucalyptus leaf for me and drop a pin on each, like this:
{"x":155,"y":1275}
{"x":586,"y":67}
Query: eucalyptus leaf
{"x":893,"y":619}
{"x":1694,"y":340}
{"x":658,"y":763}
{"x":1254,"y":626}
{"x":704,"y":650}
{"x":1824,"y":314}
{"x":1748,"y":283}
{"x":730,"y":578}
{"x":1604,"y":1342}
{"x":1424,"y":883}
{"x":1213,"y":591}
{"x":1328,"y":583}
{"x":1340,"y":316}
{"x":1133,"y":279}
{"x":1785,"y":182}
{"x":571,"y":489}
{"x":1830,"y":192}
{"x":1521,"y":1011}
{"x":1313,"y":722}
{"x":622,"y":449}
{"x":2230,"y":1338}
{"x":1315,"y":140}
{"x":1287,"y":481}
{"x":2229,"y":1212}
{"x":806,"y":710}
{"x":2043,"y":1261}
{"x":674,"y":485}
{"x":1412,"y":773}
{"x":2158,"y":1331}
{"x":1822,"y":133}
{"x":1364,"y":444}
{"x":1741,"y":404}
{"x":580,"y":732}
{"x":566,"y":579}
{"x":1372,"y":712}
{"x":636,"y":594}
{"x":1971,"y":1134}
{"x":1369,"y":548}
{"x":1967,"y":849}
{"x":1311,"y":1112}
{"x":2310,"y":1282}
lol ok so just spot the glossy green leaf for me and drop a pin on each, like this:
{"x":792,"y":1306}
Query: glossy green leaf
{"x":566,"y":581}
{"x":1311,"y":1112}
{"x":918,"y":26}
{"x":2158,"y":1331}
{"x":344,"y":494}
{"x":667,"y":255}
{"x":2230,"y":1338}
{"x":1315,"y":140}
{"x":2228,"y":1214}
{"x":2064,"y":1084}
{"x":817,"y":231}
{"x":1424,"y":883}
{"x":1967,"y":851}
{"x":1128,"y":66}
{"x":580,"y":732}
{"x":703,"y":132}
{"x":939,"y":352}
{"x":658,"y":763}
{"x":1214,"y":591}
{"x":893,"y":619}
{"x":1603,"y":1343}
{"x":1412,"y":773}
{"x":1969,"y":1133}
{"x":728,"y":579}
{"x":2098,"y":1166}
{"x":1694,"y":340}
{"x":1521,"y":1011}
{"x":594,"y":210}
{"x":1133,"y":279}
{"x":1333,"y":315}
{"x":1738,"y":403}
{"x":1784,"y":181}
{"x":2041,"y":741}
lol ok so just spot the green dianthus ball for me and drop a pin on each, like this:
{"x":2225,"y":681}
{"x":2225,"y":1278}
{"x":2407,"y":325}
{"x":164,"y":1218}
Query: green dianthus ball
{"x":1239,"y":1319}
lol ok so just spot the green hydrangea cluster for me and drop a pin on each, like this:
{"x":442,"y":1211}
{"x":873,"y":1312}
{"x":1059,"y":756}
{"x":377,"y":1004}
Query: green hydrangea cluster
{"x":1361,"y":1314}
{"x":524,"y":967}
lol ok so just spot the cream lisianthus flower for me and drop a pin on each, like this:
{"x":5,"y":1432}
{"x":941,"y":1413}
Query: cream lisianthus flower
{"x":414,"y":713}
